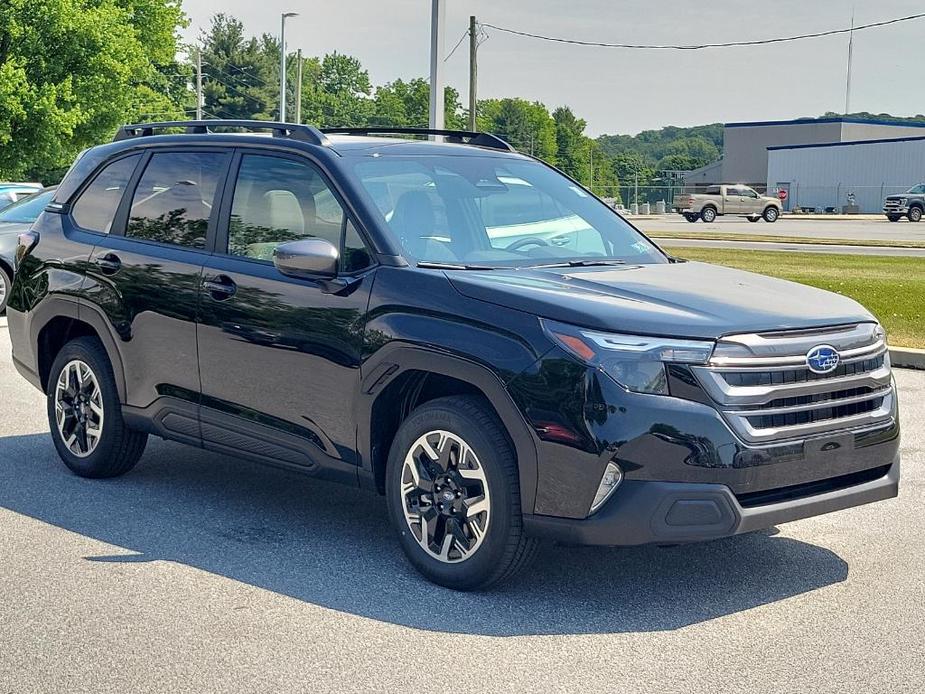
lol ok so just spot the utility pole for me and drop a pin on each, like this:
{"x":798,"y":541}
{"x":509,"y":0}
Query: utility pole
{"x":298,"y":88}
{"x":591,"y":165}
{"x":848,"y":77}
{"x":437,"y":33}
{"x":198,"y":83}
{"x":282,"y":64}
{"x":473,"y":74}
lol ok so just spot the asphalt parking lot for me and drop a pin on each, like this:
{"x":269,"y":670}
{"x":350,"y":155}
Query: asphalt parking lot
{"x":872,"y":228}
{"x":201,"y":573}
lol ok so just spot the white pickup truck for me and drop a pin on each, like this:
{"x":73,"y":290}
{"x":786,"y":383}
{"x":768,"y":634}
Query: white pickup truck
{"x":737,"y":200}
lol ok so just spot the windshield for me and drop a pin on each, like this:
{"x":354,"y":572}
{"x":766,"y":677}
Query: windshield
{"x":27,"y":210}
{"x":485,"y":211}
{"x":917,"y":190}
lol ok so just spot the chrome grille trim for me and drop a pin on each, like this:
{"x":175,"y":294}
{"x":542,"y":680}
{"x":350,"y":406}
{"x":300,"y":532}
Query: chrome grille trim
{"x":831,"y":401}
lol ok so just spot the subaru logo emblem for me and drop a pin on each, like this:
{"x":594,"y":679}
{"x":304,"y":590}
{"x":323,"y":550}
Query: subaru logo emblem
{"x":822,"y":359}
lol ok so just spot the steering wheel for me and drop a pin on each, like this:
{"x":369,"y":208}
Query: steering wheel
{"x":530,"y":241}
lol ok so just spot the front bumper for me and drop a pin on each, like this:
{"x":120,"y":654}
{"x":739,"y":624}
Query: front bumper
{"x":897,"y":209}
{"x":646,"y":512}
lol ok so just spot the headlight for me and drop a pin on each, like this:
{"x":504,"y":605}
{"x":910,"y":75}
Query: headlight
{"x":636,"y":362}
{"x":903,"y":201}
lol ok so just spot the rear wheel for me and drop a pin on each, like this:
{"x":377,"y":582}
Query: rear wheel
{"x":708,"y":214}
{"x":85,"y":416}
{"x":453,"y":495}
{"x":771,"y":214}
{"x":6,"y":285}
{"x":915,"y":214}
{"x":893,"y":217}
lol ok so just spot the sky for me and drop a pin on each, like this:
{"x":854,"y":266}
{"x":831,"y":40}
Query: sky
{"x":620,"y":90}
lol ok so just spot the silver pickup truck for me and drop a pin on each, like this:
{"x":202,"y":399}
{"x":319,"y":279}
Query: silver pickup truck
{"x":736,"y":200}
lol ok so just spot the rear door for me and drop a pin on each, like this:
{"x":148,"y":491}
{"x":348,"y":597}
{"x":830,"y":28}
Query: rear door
{"x":279,"y":356}
{"x":733,"y":203}
{"x":146,"y":271}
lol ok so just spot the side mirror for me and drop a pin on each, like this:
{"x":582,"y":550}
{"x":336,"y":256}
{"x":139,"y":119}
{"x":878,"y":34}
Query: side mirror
{"x":307,"y":259}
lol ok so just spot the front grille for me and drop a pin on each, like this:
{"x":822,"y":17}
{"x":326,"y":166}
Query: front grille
{"x":762,"y":384}
{"x":892,"y":205}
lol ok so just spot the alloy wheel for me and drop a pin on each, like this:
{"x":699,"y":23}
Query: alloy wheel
{"x":445,"y":497}
{"x":4,"y":289}
{"x":79,"y":408}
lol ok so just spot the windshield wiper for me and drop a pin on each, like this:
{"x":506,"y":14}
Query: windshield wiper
{"x":581,"y":263}
{"x":452,"y":266}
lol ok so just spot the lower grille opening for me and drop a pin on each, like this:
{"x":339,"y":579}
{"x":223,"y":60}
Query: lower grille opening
{"x":799,"y":491}
{"x":775,"y":421}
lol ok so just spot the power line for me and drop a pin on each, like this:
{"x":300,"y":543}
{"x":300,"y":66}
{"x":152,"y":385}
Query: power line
{"x":697,"y":47}
{"x":458,"y":44}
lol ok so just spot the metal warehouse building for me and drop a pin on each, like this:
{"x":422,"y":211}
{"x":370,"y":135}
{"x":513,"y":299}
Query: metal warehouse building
{"x":823,"y":176}
{"x":750,"y":150}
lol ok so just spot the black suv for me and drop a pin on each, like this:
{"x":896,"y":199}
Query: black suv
{"x":458,"y":326}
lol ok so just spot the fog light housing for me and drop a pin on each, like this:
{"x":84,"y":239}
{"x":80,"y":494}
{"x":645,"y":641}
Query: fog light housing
{"x":610,"y":480}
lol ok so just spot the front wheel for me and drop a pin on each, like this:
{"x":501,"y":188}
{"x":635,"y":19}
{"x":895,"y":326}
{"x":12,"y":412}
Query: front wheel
{"x":708,"y":215}
{"x":915,"y":214}
{"x":893,"y":217}
{"x":6,"y":285}
{"x":691,"y":217}
{"x":85,"y":416}
{"x":453,"y":495}
{"x":770,"y":215}
{"x":753,"y":219}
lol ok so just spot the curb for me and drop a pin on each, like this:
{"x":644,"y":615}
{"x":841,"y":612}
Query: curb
{"x":907,"y":358}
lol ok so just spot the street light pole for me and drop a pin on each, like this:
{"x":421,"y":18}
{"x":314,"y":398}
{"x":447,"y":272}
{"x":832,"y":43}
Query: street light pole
{"x":282,"y":64}
{"x":438,"y":20}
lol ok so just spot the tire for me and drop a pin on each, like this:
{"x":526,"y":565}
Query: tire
{"x":915,"y":214}
{"x":6,"y":286}
{"x":753,"y":219}
{"x":115,"y":449}
{"x":692,"y":218}
{"x":771,"y":214}
{"x":893,"y":217}
{"x":496,"y":547}
{"x":708,"y":214}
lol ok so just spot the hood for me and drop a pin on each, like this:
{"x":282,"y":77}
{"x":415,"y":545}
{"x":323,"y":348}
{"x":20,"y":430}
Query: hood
{"x":900,"y":196}
{"x":694,"y":300}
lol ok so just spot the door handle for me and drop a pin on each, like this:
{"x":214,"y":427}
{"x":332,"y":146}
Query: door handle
{"x":109,"y":264}
{"x":220,"y":287}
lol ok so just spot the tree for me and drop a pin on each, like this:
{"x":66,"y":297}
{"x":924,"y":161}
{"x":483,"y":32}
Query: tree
{"x":71,"y":71}
{"x":571,"y":151}
{"x":407,"y":104}
{"x":526,"y":125}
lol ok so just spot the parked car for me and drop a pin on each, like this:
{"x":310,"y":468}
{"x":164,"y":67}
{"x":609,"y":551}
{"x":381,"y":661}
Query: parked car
{"x":455,"y":325}
{"x":910,"y":204}
{"x":14,"y":220}
{"x":11,"y":192}
{"x":737,"y":200}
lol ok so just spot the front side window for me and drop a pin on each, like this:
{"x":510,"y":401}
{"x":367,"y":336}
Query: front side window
{"x":278,"y":200}
{"x":173,"y":201}
{"x":917,"y":190}
{"x":96,"y":207}
{"x":489,"y":210}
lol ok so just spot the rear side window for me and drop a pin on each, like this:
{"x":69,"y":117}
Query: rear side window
{"x":174,"y":198}
{"x":96,"y":207}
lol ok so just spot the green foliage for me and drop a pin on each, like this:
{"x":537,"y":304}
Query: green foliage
{"x":526,"y":125}
{"x":671,"y":148}
{"x":71,"y":71}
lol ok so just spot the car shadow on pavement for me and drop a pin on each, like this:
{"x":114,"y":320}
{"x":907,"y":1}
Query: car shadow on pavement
{"x":332,"y":546}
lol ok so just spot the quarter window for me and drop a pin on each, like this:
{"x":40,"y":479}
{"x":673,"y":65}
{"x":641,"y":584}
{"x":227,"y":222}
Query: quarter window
{"x":96,"y":207}
{"x":173,"y":200}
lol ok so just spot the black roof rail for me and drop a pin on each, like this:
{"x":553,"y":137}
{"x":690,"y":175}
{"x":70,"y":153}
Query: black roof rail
{"x":293,"y":131}
{"x":461,"y":136}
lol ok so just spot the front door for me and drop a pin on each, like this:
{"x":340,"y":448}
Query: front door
{"x":145,"y":275}
{"x":280,"y":357}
